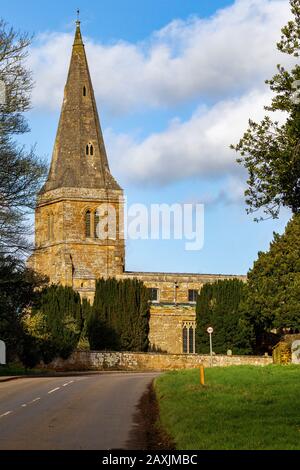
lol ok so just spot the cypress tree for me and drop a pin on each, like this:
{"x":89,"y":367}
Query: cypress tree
{"x":61,"y":308}
{"x":218,"y":305}
{"x":272,"y":300}
{"x":119,"y":318}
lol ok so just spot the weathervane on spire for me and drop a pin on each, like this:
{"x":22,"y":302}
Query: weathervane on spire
{"x":78,"y":21}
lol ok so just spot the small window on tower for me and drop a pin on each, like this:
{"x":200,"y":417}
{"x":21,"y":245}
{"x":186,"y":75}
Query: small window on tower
{"x":89,"y":149}
{"x":88,"y":224}
{"x":84,"y":91}
{"x":96,"y":222}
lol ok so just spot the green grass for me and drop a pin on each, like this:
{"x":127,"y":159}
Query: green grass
{"x":240,"y":407}
{"x":18,"y":369}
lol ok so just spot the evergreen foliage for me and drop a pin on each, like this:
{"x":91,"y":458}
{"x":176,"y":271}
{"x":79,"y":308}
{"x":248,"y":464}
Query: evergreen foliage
{"x":17,"y":293}
{"x":218,"y":306}
{"x":272,"y":296}
{"x":119,"y":317}
{"x":57,"y":320}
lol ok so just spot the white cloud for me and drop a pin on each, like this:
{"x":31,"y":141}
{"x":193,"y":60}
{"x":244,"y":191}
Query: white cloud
{"x":225,"y":54}
{"x":195,"y":148}
{"x":231,"y":191}
{"x":225,"y":58}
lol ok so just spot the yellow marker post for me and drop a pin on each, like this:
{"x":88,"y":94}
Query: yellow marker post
{"x":202,"y":381}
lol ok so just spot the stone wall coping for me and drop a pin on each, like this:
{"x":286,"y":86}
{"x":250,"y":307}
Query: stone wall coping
{"x":188,"y":275}
{"x":157,"y":353}
{"x":140,"y":361}
{"x":173,"y":304}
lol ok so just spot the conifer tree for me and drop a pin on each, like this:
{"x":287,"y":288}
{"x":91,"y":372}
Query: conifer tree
{"x":61,"y":321}
{"x":272,"y":297}
{"x":218,"y":306}
{"x":119,"y":318}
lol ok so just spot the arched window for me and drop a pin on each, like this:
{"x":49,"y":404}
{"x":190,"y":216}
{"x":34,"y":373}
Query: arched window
{"x":84,"y":91}
{"x":89,"y":149}
{"x":96,"y":222}
{"x":191,"y":339}
{"x":188,"y":337}
{"x":88,"y":224}
{"x":184,"y":340}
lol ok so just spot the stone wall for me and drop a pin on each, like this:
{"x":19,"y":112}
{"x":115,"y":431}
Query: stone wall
{"x":129,"y":361}
{"x":173,"y":287}
{"x":166,"y":322}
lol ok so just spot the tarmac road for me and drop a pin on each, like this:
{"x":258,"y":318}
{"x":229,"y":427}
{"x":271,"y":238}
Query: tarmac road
{"x":79,"y":412}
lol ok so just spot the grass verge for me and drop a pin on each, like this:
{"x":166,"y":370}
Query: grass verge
{"x":18,"y":369}
{"x":240,"y":407}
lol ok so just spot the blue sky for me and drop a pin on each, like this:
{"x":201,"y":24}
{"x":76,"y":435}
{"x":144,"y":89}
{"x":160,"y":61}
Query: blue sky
{"x":175,"y":83}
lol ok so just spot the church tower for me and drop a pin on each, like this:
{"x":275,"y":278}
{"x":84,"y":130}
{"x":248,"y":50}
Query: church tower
{"x":80,"y":194}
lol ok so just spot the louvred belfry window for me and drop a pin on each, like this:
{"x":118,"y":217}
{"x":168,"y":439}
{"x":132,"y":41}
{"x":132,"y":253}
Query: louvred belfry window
{"x":88,"y":224}
{"x":96,"y":222}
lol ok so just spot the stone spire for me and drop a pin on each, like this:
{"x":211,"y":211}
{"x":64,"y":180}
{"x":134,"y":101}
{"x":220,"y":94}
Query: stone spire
{"x":79,"y":158}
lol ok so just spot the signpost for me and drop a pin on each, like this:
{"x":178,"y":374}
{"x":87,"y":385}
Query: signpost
{"x":210,"y":330}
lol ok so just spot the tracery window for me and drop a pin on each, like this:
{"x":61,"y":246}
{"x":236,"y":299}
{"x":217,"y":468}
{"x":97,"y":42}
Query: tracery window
{"x":188,"y":337}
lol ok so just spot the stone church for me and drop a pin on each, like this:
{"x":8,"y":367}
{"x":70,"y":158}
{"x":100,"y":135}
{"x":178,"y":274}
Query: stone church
{"x":67,"y":248}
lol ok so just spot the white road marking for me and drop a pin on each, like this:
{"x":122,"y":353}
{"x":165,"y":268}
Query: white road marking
{"x":5,"y":414}
{"x":54,"y":390}
{"x":36,"y":399}
{"x":68,"y":383}
{"x":24,"y":404}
